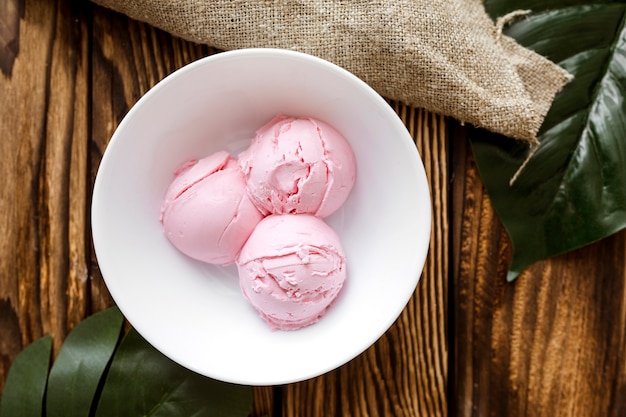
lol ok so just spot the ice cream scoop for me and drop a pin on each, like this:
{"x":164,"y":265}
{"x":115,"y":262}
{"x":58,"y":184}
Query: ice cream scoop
{"x":291,"y":269}
{"x":298,"y":165}
{"x":206,"y":212}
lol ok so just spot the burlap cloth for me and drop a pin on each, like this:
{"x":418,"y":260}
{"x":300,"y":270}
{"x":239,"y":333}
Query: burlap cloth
{"x":446,"y":56}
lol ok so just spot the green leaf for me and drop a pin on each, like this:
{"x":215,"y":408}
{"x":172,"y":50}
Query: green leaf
{"x":143,"y":382}
{"x":496,"y":8}
{"x":26,"y":381}
{"x":79,"y":367}
{"x":572,"y":191}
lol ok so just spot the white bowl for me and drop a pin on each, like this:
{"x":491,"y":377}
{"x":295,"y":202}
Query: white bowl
{"x":195,"y":313}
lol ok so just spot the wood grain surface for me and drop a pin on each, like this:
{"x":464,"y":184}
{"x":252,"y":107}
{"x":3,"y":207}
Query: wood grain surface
{"x":552,"y":343}
{"x":467,"y":344}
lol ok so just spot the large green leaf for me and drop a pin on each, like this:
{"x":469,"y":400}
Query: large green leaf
{"x":573,"y":190}
{"x":497,"y":8}
{"x":143,"y":382}
{"x":79,"y":367}
{"x":26,"y":382}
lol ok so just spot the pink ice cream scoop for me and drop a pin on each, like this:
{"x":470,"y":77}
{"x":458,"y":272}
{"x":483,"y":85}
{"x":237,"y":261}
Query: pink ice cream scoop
{"x":291,"y":269}
{"x":206,"y":212}
{"x":298,"y":165}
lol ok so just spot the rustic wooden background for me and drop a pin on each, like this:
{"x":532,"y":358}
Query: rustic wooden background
{"x":468,"y":343}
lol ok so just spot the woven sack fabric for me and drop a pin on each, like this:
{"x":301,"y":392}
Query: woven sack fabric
{"x":446,"y":56}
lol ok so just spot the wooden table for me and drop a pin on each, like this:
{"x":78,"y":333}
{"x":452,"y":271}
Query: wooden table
{"x":467,"y":344}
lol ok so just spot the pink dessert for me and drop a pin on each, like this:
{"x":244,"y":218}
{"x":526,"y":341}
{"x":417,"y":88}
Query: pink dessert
{"x":298,"y":165}
{"x":291,"y":269}
{"x":206,"y":212}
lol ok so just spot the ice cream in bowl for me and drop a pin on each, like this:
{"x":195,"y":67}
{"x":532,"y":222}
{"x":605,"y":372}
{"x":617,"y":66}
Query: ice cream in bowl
{"x":257,"y":204}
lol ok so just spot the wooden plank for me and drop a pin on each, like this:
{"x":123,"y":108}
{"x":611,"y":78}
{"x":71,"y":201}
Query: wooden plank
{"x":405,"y":372}
{"x":551,"y":343}
{"x":43,"y":126}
